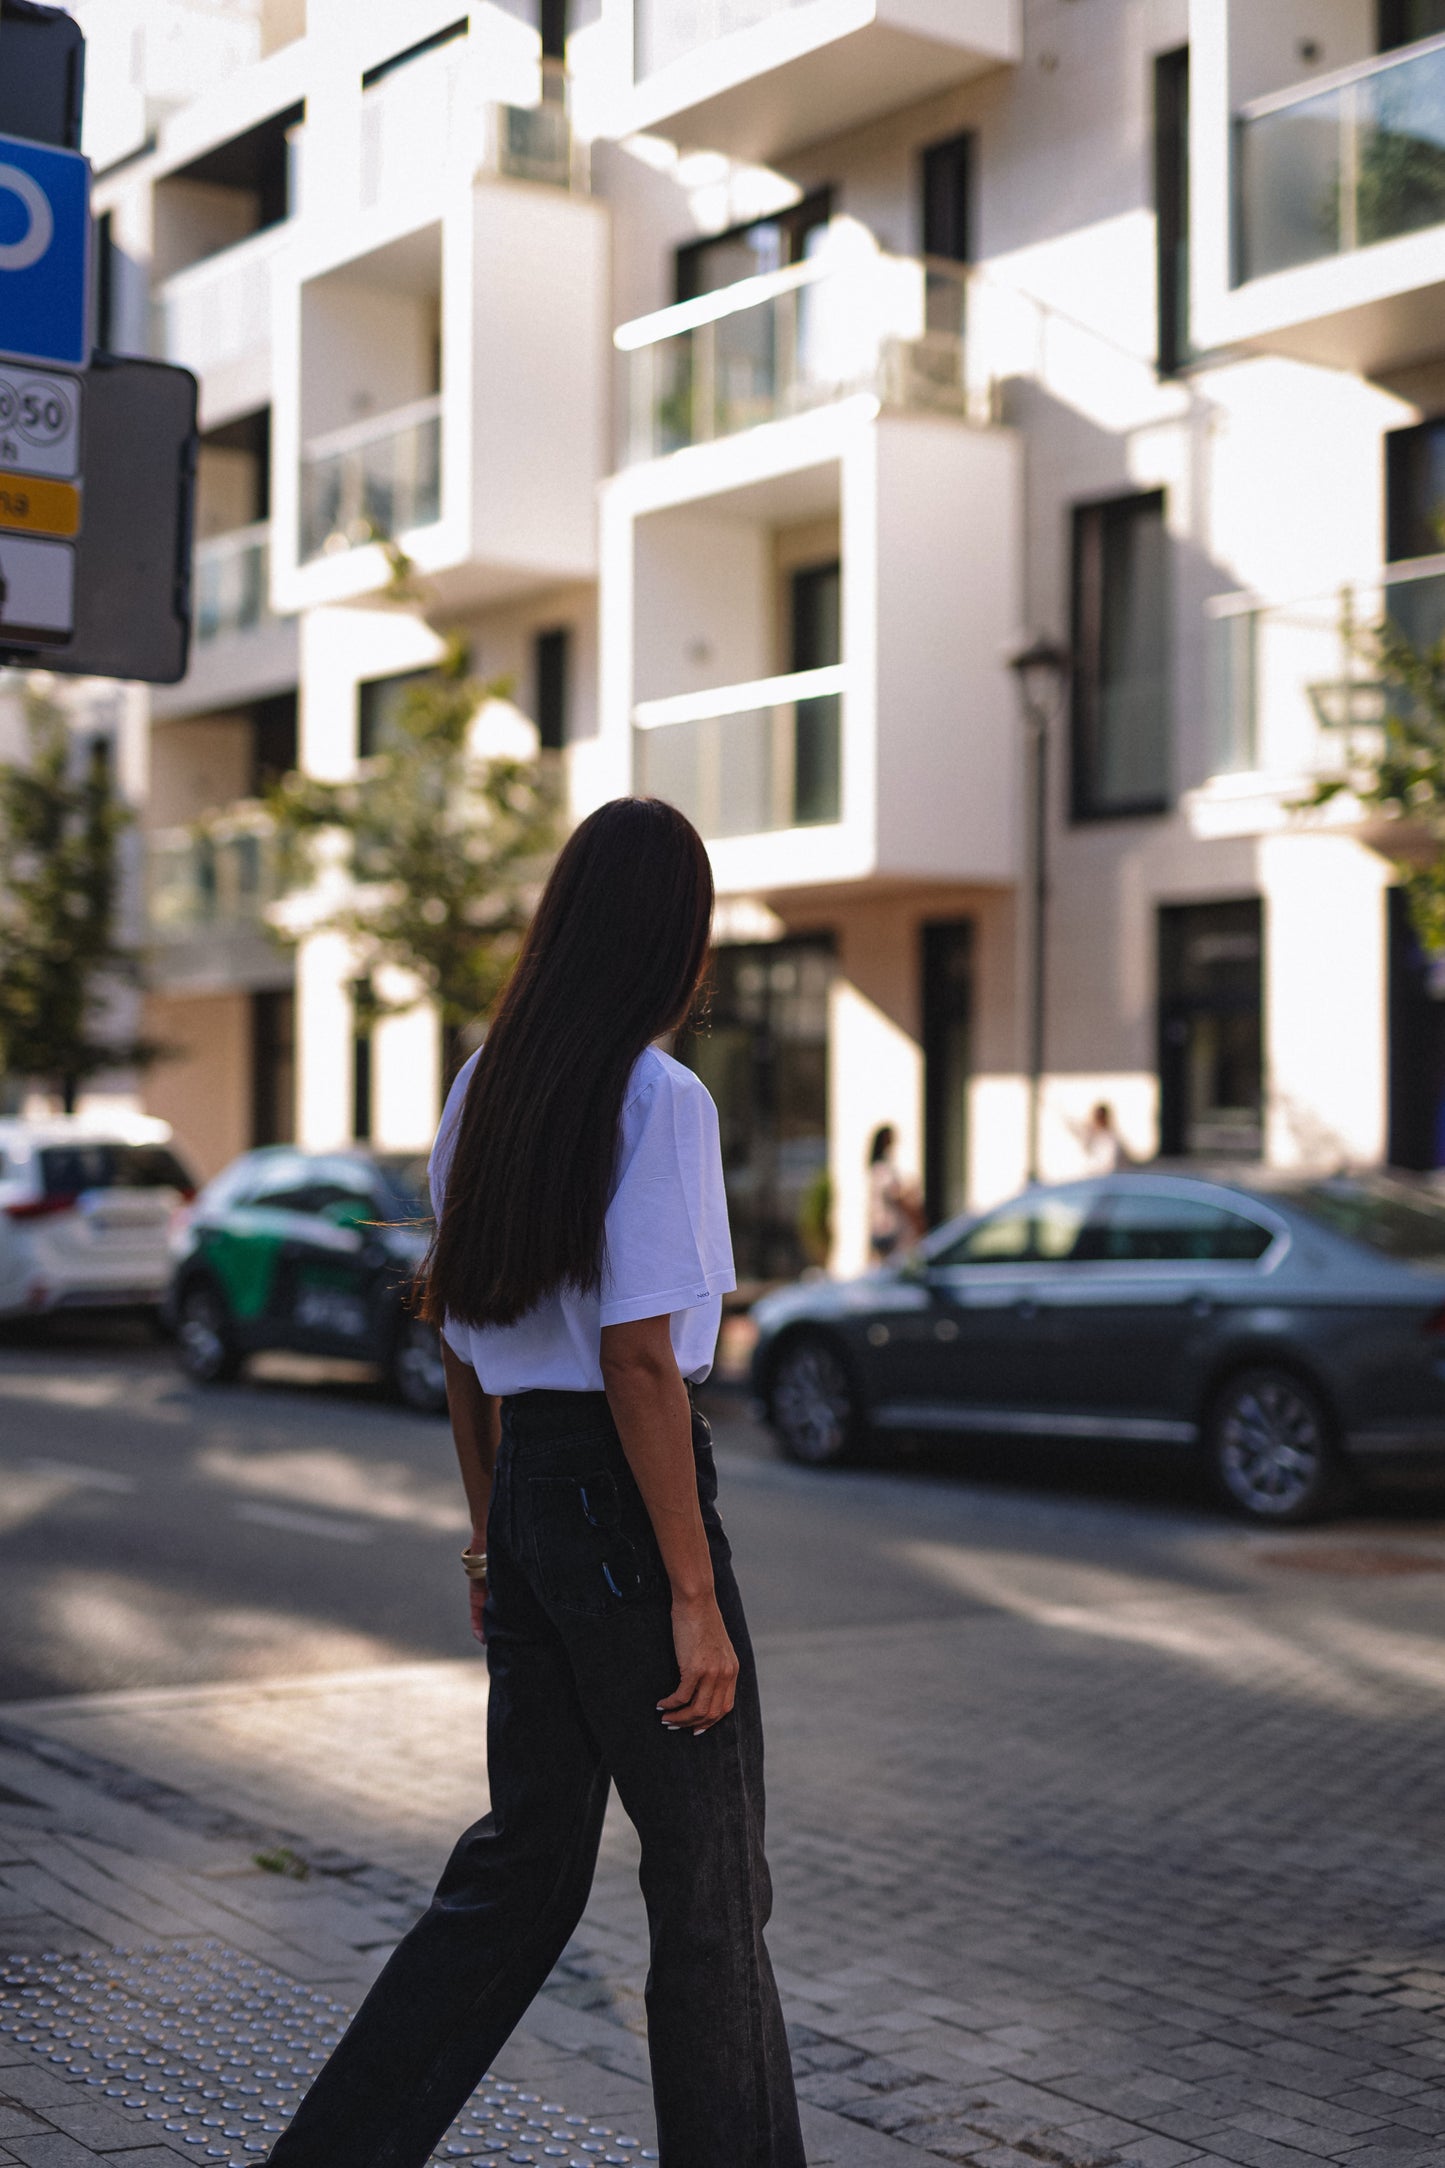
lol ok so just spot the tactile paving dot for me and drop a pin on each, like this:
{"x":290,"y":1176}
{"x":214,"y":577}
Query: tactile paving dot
{"x":215,"y":2050}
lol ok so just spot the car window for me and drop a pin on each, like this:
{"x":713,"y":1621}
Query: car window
{"x":1141,"y":1227}
{"x":1391,"y":1220}
{"x":1042,"y":1229}
{"x":68,"y":1169}
{"x":315,"y":1186}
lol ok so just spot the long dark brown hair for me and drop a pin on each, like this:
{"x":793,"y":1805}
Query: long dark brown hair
{"x":612,"y":959}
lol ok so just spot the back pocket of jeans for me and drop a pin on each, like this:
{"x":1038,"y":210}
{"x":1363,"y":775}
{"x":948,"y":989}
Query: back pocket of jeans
{"x":594,"y":1546}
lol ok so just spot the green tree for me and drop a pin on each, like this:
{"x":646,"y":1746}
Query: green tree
{"x":61,"y":956}
{"x":441,"y":851}
{"x":1397,"y":771}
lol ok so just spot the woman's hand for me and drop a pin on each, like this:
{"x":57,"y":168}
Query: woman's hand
{"x":707,"y":1668}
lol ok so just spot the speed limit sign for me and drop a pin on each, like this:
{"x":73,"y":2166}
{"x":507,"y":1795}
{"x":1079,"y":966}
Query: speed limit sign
{"x":39,"y":421}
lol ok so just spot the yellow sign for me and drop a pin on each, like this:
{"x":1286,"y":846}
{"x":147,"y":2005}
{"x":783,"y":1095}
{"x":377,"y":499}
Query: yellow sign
{"x":38,"y":507}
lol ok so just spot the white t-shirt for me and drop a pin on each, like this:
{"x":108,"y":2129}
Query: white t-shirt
{"x":666,"y":1252}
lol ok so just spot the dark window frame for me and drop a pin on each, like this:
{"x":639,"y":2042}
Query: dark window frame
{"x":552,"y":684}
{"x":1172,"y":207}
{"x":954,"y":158}
{"x":447,"y":35}
{"x":1178,"y":1005}
{"x":1394,"y":27}
{"x":797,"y":221}
{"x":1088,"y":537}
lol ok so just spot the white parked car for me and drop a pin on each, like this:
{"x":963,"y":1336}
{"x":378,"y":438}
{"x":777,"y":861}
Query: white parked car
{"x":85,"y":1210}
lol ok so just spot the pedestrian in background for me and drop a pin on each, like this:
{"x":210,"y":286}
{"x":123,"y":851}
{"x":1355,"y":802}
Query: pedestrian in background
{"x":1105,"y":1151}
{"x":895,"y":1209}
{"x":581,"y":1256}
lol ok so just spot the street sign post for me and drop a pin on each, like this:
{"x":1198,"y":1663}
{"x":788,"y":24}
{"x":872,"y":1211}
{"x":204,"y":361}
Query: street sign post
{"x":97,"y":469}
{"x":44,"y":254}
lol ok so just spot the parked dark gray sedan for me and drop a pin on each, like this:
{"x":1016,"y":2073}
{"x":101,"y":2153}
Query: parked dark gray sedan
{"x":1290,"y":1330}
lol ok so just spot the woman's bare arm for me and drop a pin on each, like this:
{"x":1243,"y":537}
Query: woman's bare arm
{"x":650,"y":1407}
{"x":476,"y":1431}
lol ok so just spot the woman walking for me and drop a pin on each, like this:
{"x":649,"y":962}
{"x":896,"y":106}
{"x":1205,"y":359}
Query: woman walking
{"x":581,"y":1255}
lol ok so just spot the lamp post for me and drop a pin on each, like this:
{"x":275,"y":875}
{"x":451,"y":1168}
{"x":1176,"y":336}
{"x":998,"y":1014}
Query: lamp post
{"x":1042,"y":670}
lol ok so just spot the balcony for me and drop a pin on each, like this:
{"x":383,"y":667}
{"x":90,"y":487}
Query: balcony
{"x":215,"y":318}
{"x":1324,"y":172}
{"x":371,"y":482}
{"x":433,"y":100}
{"x":759,"y":78}
{"x":749,"y":760}
{"x":850,"y":319}
{"x":232,"y":583}
{"x":1339,"y":196}
{"x":207,"y":896}
{"x":1292,"y":688}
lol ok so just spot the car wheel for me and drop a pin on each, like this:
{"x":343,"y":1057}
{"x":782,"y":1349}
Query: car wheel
{"x":416,"y":1374}
{"x":814,"y":1406}
{"x":204,"y":1338}
{"x":1269,"y":1446}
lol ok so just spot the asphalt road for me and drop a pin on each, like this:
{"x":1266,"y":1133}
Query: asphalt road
{"x":155,"y":1533}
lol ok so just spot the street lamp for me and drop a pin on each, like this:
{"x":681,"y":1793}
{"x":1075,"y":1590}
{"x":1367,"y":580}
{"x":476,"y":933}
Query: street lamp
{"x":1042,"y":671}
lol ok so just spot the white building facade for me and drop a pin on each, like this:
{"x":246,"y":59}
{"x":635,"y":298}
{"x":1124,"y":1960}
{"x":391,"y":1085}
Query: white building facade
{"x":752,"y":381}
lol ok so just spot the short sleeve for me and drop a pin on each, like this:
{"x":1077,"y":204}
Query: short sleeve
{"x":667,"y":1246}
{"x":439,"y":1164}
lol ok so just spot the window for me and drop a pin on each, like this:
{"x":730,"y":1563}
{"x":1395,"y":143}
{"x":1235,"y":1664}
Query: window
{"x":552,"y":23}
{"x":743,"y":252}
{"x":1121,"y":708}
{"x":1038,"y":1230}
{"x":1171,"y":205}
{"x":363,"y":1011}
{"x":378,"y":705}
{"x":1211,"y":1031}
{"x":1145,"y":1228}
{"x":1384,"y":1216}
{"x":1415,"y":490}
{"x":1403,"y":21}
{"x":273,"y":1067}
{"x":67,"y":1170}
{"x":550,"y":660}
{"x":947,"y":1064}
{"x":273,"y":740}
{"x":816,"y":641}
{"x":946,"y":177}
{"x":333,"y":1187}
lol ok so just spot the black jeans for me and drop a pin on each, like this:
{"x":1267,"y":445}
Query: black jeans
{"x":579,"y":1647}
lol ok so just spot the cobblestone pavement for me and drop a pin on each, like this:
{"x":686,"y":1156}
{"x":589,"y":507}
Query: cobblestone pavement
{"x":1132,"y":1854}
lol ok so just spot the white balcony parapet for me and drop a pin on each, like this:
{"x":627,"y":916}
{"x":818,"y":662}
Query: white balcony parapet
{"x":1335,"y":165}
{"x":232,"y":582}
{"x":433,"y":101}
{"x":666,"y":30}
{"x":1293,"y":686}
{"x":849,"y":319}
{"x":219,"y":310}
{"x":371,"y":481}
{"x":748,"y":759}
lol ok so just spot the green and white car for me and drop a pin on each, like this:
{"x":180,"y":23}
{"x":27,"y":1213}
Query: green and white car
{"x":314,"y":1252}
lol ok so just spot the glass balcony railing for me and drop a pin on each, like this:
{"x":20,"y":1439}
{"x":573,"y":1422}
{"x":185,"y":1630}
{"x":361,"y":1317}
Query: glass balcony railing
{"x":667,"y":30}
{"x":849,"y":319}
{"x":1290,"y":681}
{"x":218,"y":883}
{"x":372,"y":481}
{"x":749,"y":760}
{"x":1330,"y":169}
{"x":232,"y":585}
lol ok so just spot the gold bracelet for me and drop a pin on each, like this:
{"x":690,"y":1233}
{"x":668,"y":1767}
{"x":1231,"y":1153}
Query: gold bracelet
{"x":474,"y":1564}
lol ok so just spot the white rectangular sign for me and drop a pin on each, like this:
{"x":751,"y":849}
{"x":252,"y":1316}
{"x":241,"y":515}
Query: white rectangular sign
{"x":37,"y":588}
{"x":39,"y":422}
